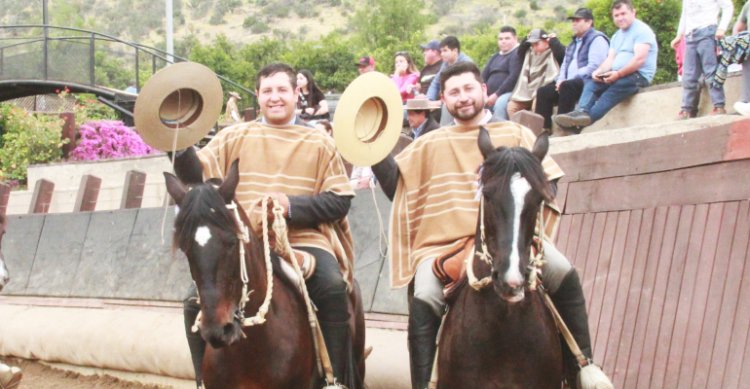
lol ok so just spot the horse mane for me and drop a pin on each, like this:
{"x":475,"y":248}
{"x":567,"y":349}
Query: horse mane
{"x":500,"y":166}
{"x":202,"y":205}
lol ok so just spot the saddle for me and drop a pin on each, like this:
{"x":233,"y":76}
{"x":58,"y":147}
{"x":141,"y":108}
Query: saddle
{"x":450,"y":267}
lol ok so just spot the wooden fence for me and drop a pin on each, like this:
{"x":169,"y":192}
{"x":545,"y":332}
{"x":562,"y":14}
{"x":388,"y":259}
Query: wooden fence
{"x":659,"y":231}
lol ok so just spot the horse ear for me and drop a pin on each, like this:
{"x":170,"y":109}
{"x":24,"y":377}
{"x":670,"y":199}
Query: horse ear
{"x":175,"y":187}
{"x":230,"y":182}
{"x":188,"y":167}
{"x":541,"y":146}
{"x":485,"y":143}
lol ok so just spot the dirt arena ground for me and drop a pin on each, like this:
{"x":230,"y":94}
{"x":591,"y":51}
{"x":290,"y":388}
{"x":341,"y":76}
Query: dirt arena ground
{"x":40,"y":376}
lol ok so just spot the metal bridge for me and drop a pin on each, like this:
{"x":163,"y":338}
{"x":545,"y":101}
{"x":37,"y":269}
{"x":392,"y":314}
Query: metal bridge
{"x":42,"y":59}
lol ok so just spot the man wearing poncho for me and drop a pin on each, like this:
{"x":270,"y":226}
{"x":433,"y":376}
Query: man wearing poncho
{"x":433,"y":186}
{"x":299,"y":167}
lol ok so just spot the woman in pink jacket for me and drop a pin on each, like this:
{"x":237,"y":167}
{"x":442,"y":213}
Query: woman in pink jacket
{"x":405,"y":75}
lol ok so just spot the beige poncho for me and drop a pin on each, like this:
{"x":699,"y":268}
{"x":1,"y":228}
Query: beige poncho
{"x":291,"y":159}
{"x":436,"y":204}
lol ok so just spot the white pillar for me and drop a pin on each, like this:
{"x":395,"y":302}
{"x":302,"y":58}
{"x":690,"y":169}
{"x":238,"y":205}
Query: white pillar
{"x":170,"y":32}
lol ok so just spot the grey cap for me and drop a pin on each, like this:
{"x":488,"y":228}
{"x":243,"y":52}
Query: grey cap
{"x":582,"y":13}
{"x":431,"y":45}
{"x":536,"y":35}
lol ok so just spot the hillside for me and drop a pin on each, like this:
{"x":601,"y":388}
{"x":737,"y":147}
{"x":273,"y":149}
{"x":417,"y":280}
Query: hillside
{"x":248,"y":20}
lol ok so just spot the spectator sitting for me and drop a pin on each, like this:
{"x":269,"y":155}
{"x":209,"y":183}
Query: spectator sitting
{"x":630,"y":65}
{"x":450,"y":52}
{"x":743,"y":105}
{"x":541,"y":66}
{"x":418,"y":115}
{"x":232,"y":112}
{"x":698,"y":28}
{"x":366,"y":64}
{"x":432,"y":63}
{"x":501,"y":72}
{"x":587,"y":51}
{"x":405,"y":75}
{"x":312,"y":104}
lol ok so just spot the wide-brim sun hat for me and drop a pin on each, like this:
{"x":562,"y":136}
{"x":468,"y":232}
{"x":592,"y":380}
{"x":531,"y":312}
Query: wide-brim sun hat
{"x":368,"y":119}
{"x":182,"y":100}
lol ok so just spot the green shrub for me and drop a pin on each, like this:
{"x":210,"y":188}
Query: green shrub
{"x":26,"y":140}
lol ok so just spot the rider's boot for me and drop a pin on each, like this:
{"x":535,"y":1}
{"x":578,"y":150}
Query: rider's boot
{"x":196,"y":343}
{"x":339,"y":345}
{"x":571,"y":305}
{"x":423,"y":329}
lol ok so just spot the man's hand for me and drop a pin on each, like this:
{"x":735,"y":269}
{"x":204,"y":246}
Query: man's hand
{"x":676,"y":41}
{"x":720,"y":34}
{"x":610,"y":77}
{"x":491,"y":99}
{"x":282,"y":200}
{"x":557,"y":85}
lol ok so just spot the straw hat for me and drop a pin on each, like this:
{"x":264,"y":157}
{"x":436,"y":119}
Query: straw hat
{"x":235,"y":95}
{"x":421,"y":105}
{"x":368,"y":119}
{"x":183,"y":99}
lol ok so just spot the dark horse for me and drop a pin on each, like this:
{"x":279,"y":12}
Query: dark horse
{"x":503,"y":336}
{"x":276,"y":354}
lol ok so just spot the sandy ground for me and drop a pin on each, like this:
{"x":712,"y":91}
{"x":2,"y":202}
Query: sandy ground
{"x":387,"y":368}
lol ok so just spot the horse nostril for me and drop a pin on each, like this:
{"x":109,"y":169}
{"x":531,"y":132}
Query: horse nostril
{"x":228,"y":329}
{"x":494,"y":275}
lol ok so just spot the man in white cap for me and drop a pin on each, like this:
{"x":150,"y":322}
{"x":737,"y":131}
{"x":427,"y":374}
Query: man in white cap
{"x":274,"y":160}
{"x":439,"y":170}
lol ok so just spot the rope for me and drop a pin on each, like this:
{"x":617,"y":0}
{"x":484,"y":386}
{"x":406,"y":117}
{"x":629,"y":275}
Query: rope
{"x":165,"y":202}
{"x":243,"y":234}
{"x":382,"y":237}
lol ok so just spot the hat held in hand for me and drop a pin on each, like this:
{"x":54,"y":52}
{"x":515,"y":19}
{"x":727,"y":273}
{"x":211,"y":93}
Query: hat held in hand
{"x":183,"y":100}
{"x":368,"y":119}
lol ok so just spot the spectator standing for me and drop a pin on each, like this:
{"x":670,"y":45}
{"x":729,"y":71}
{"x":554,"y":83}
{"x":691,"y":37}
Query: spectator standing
{"x":699,"y":29}
{"x":587,"y":51}
{"x":743,"y":105}
{"x":501,"y":72}
{"x":366,"y":64}
{"x":418,"y":116}
{"x":630,"y":65}
{"x":232,"y":112}
{"x":405,"y":75}
{"x":541,"y":66}
{"x":312,"y":104}
{"x":432,"y":63}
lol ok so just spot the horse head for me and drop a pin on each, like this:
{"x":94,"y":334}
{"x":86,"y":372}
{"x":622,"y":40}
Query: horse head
{"x":513,"y":185}
{"x":206,"y":231}
{"x":4,"y":275}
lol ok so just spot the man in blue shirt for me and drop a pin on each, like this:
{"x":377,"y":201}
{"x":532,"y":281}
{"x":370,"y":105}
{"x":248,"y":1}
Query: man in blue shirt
{"x":584,"y":55}
{"x":630,"y":65}
{"x":450,"y":52}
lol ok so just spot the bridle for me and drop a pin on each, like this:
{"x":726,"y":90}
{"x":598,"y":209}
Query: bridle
{"x":536,"y":260}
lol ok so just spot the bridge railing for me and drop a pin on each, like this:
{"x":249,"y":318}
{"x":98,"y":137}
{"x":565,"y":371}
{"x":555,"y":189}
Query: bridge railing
{"x":43,"y":52}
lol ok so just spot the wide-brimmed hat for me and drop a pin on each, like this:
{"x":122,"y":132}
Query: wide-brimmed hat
{"x":182,"y":100}
{"x":421,"y":105}
{"x":368,"y":119}
{"x":235,"y":95}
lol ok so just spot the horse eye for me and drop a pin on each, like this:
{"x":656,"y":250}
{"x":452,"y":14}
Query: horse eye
{"x":213,"y":210}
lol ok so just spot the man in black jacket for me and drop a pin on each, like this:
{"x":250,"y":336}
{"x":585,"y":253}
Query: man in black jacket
{"x":501,"y":72}
{"x":419,"y":118}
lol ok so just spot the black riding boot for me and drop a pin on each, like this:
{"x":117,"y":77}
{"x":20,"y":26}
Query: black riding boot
{"x":197,"y":345}
{"x":423,"y":330}
{"x":339,"y":345}
{"x":571,"y":305}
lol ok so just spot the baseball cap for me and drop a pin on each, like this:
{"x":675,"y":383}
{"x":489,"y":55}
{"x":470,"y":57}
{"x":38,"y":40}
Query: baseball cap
{"x":582,"y":13}
{"x":431,"y":45}
{"x":366,"y":61}
{"x":536,"y":35}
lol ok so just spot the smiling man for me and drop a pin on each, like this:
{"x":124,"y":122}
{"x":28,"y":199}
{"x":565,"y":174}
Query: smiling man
{"x":439,"y":171}
{"x":299,"y":167}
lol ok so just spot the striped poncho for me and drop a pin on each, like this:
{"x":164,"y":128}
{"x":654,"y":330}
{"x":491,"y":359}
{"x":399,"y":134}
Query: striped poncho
{"x":290,"y":159}
{"x":436,"y":204}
